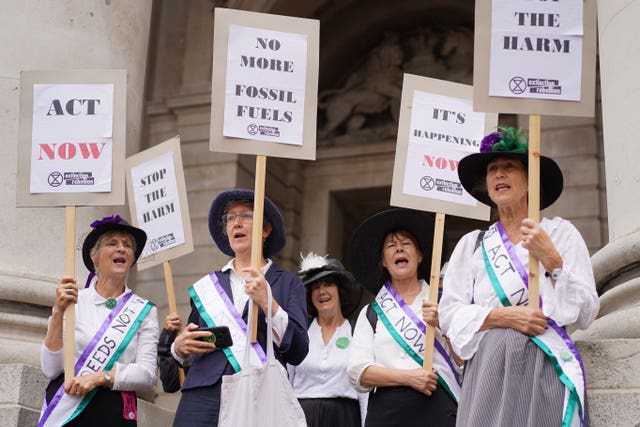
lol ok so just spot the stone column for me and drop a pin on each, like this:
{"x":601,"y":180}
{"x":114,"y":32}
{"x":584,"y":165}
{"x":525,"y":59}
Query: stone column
{"x":74,"y":34}
{"x":611,"y":346}
{"x":619,"y":70}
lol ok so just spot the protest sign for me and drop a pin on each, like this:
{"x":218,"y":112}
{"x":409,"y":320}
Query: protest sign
{"x":437,"y":127}
{"x":157,"y":198}
{"x":264,"y":84}
{"x":72,"y":138}
{"x":535,"y":57}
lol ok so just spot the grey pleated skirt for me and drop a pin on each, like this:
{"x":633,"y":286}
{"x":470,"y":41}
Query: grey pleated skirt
{"x":510,"y":382}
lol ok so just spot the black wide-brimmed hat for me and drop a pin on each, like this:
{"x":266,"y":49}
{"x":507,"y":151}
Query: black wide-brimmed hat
{"x":510,"y":143}
{"x":106,"y":224}
{"x":365,"y":249}
{"x":315,"y":267}
{"x":276,"y":239}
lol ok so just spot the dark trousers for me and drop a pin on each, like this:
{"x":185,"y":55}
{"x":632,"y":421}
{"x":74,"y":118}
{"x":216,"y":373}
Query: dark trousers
{"x":199,"y":407}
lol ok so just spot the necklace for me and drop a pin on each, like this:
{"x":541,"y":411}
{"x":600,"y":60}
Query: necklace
{"x":110,"y":303}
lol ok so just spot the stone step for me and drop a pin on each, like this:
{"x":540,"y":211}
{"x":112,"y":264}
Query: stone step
{"x":613,"y":381}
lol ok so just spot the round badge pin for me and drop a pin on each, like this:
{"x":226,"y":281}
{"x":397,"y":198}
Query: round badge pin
{"x":566,"y":355}
{"x":110,"y":303}
{"x":342,"y":342}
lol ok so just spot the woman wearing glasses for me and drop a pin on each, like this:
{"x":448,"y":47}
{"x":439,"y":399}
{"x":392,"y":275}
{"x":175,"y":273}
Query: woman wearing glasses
{"x":223,"y":298}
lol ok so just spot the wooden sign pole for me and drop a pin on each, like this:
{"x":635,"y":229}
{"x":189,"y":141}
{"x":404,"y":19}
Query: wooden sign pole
{"x":70,"y":312}
{"x":534,"y":203}
{"x":434,"y":281}
{"x":256,"y":236}
{"x":171,"y":300}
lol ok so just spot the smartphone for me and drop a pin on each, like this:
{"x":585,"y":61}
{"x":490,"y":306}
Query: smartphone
{"x":220,"y":336}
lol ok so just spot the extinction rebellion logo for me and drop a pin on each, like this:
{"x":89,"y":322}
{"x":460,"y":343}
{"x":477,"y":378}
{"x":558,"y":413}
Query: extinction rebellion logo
{"x":254,"y":129}
{"x":519,"y":85}
{"x":427,"y":183}
{"x":56,"y":179}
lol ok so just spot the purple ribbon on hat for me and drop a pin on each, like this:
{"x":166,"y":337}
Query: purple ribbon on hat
{"x":107,"y":219}
{"x":488,"y":141}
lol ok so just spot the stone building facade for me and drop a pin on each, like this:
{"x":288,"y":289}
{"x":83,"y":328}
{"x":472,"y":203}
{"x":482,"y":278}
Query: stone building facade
{"x":365,"y":47}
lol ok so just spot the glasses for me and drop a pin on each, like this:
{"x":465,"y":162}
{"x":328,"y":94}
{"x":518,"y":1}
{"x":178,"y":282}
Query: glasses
{"x":244,"y":217}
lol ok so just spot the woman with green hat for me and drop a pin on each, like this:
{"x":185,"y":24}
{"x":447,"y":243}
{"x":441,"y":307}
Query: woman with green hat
{"x":116,"y":334}
{"x":522,"y":368}
{"x":320,"y":382}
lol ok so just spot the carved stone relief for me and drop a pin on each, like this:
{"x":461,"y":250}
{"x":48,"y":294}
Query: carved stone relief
{"x":368,"y":103}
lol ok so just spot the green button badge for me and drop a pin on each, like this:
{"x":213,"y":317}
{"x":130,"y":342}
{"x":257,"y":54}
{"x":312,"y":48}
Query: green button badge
{"x":342,"y":342}
{"x":566,"y":355}
{"x":110,"y":303}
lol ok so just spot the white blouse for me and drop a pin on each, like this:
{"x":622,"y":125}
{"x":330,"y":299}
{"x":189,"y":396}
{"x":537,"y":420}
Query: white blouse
{"x":135,"y":370}
{"x":381,"y":349}
{"x":323,"y":373}
{"x":468,"y":295}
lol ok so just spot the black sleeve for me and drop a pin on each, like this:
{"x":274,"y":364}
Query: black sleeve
{"x":167,"y":364}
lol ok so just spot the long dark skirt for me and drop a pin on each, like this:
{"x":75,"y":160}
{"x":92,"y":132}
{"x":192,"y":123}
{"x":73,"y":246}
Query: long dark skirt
{"x":404,"y":406}
{"x":510,"y":382}
{"x":104,"y":410}
{"x":331,"y":412}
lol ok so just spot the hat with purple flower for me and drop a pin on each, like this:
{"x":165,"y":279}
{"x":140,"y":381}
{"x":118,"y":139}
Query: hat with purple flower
{"x":507,"y":142}
{"x":111,"y":223}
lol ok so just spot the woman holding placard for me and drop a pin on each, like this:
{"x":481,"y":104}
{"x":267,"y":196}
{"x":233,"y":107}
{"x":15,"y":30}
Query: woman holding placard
{"x":223,"y":297}
{"x":522,"y":369}
{"x":116,"y":334}
{"x":390,"y":255}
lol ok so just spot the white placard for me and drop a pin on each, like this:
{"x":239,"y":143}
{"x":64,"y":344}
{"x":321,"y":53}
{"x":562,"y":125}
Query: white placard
{"x":442,"y":130}
{"x":157,"y":202}
{"x":437,"y":128}
{"x":536,"y":49}
{"x":265,"y":86}
{"x":72,"y":138}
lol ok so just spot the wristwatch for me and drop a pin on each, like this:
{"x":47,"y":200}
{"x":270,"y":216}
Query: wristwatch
{"x":555,"y":273}
{"x":107,"y":379}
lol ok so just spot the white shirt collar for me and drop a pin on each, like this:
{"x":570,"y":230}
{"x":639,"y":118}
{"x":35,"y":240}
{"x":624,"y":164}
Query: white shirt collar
{"x":229,"y":266}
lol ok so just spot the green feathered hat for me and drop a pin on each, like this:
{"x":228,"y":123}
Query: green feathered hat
{"x":507,"y":142}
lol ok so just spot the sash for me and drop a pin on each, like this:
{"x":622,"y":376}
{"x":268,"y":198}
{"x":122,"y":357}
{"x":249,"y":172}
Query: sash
{"x":104,"y":349}
{"x":215,"y":308}
{"x":409,"y":332}
{"x":510,"y":281}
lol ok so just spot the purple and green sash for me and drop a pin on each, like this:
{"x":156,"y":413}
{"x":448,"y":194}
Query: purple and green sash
{"x":510,"y":281}
{"x":409,"y":332}
{"x":104,"y":349}
{"x":216,"y":308}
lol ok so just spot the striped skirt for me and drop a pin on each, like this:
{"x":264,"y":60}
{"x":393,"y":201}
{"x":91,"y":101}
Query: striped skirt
{"x":510,"y":382}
